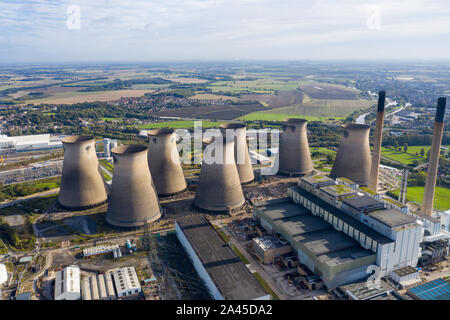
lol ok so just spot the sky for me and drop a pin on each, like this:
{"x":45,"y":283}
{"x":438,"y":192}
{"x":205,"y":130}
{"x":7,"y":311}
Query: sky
{"x":164,"y":30}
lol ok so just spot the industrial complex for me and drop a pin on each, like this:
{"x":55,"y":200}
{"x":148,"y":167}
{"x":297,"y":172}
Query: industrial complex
{"x":236,"y":233}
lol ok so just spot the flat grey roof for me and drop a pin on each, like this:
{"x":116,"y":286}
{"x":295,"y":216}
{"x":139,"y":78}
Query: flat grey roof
{"x":317,"y":179}
{"x":326,"y":241}
{"x":362,"y":202}
{"x":392,"y":218}
{"x":405,"y":271}
{"x":278,"y":209}
{"x":229,"y":274}
{"x":298,"y":225}
{"x":346,"y":255}
{"x":364,"y":292}
{"x":338,"y":190}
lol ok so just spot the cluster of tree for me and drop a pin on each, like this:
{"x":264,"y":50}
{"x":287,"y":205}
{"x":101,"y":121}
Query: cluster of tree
{"x":118,"y":84}
{"x":11,"y":236}
{"x":413,"y":140}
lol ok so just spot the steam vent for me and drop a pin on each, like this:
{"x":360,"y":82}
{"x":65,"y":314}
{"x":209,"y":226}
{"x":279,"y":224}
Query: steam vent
{"x":164,"y":162}
{"x":133,"y":198}
{"x":353,"y":159}
{"x":241,"y":156}
{"x":295,"y":158}
{"x":82,"y":185}
{"x":219,"y":187}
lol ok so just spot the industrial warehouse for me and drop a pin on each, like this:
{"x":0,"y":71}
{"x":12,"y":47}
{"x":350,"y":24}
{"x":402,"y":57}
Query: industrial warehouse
{"x":224,"y":274}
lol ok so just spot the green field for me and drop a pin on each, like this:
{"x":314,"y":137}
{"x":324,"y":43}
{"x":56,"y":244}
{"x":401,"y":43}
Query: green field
{"x":403,"y":157}
{"x":323,"y":151}
{"x":441,"y":197}
{"x":181,"y":124}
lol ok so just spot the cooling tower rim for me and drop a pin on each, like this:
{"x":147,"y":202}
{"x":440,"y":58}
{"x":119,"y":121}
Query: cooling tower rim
{"x":78,"y":139}
{"x":295,"y":121}
{"x":233,"y":125}
{"x":355,"y":126}
{"x":128,"y":149}
{"x":210,"y":140}
{"x":160,"y":132}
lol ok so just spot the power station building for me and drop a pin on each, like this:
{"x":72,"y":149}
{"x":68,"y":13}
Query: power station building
{"x":294,"y":155}
{"x":133,"y":200}
{"x":223,"y":273}
{"x":164,"y":162}
{"x":82,"y":184}
{"x":353,"y":160}
{"x":339,"y":239}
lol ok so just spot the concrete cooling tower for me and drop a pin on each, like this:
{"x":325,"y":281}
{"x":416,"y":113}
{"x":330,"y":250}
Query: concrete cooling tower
{"x":241,"y":155}
{"x":133,"y":198}
{"x":295,"y":158}
{"x":353,"y":159}
{"x":164,"y":162}
{"x":82,"y":184}
{"x":219,"y":187}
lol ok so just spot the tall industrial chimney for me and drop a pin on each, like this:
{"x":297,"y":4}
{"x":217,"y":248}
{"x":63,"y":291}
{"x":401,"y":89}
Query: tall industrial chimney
{"x":133,"y":200}
{"x":241,"y":155}
{"x":219,"y":187}
{"x":353,"y":157}
{"x":294,"y":155}
{"x":82,"y":184}
{"x":164,"y":162}
{"x":378,"y":137}
{"x":433,"y":163}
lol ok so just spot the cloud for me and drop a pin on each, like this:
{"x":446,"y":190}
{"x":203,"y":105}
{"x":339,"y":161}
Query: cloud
{"x":216,"y":29}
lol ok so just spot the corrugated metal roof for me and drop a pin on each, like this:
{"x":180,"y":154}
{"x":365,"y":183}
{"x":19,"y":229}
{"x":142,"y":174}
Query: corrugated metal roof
{"x":438,"y":289}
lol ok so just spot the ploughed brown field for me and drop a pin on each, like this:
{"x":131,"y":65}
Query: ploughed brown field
{"x":317,"y":90}
{"x":225,"y":112}
{"x":281,"y":99}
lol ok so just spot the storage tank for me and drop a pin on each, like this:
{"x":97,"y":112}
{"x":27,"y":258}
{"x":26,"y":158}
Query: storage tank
{"x":109,"y":286}
{"x":85,"y":289}
{"x":294,"y":155}
{"x":133,"y":198}
{"x":94,"y":288}
{"x":164,"y":162}
{"x":101,"y":287}
{"x":353,"y":159}
{"x":241,"y":156}
{"x":82,"y":184}
{"x":219,"y":187}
